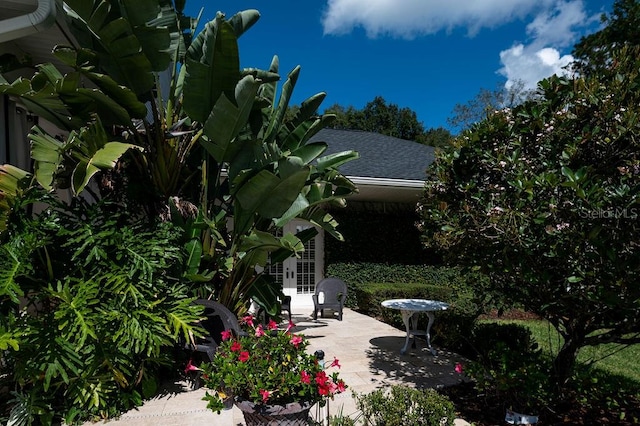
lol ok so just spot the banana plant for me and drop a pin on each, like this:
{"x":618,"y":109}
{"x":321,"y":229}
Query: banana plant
{"x":213,"y":146}
{"x":275,"y":175}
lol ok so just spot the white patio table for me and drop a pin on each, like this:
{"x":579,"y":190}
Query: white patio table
{"x":410,"y":310}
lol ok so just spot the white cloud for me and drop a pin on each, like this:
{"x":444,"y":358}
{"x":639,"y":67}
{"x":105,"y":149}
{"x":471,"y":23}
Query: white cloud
{"x":411,"y":18}
{"x":554,"y":26}
{"x":551,"y":31}
{"x":557,"y":26}
{"x":530,"y":65}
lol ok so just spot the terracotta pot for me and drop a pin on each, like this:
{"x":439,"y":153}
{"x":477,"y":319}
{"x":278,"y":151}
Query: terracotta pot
{"x":292,"y":414}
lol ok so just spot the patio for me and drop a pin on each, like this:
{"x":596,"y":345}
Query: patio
{"x":369,"y":354}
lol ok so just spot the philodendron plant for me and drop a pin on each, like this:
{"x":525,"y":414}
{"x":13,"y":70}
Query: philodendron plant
{"x":163,"y":120}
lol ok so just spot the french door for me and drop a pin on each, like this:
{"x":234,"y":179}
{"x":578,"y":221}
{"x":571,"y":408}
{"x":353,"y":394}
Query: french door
{"x":299,"y":276}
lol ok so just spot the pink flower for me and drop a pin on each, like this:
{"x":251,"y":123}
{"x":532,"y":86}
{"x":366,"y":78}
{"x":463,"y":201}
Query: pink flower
{"x":259,"y":331}
{"x":226,"y":334}
{"x":458,"y":368}
{"x":265,"y":395}
{"x":305,"y":377}
{"x":290,"y":326}
{"x":247,"y":319}
{"x":190,"y":367}
{"x":335,"y":363}
{"x":236,"y":346}
{"x":272,"y":325}
{"x":244,"y":356}
{"x":296,"y":340}
{"x":341,"y":386}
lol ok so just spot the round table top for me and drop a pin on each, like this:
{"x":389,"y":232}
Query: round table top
{"x":415,"y":304}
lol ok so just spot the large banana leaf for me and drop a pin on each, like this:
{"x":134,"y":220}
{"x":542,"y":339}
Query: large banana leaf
{"x":227,"y":120}
{"x":43,"y":102}
{"x":129,"y":49}
{"x":268,"y":90}
{"x":89,"y":148}
{"x":269,"y":195}
{"x":12,"y":181}
{"x":103,"y":159}
{"x":212,"y":68}
{"x":277,"y":115}
{"x":242,"y":21}
{"x":337,"y":159}
{"x":122,"y":96}
{"x":46,"y":153}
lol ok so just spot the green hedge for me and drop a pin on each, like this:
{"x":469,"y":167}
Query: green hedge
{"x":370,"y":296}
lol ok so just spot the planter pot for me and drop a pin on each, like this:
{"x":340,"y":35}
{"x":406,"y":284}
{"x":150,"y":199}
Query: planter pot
{"x":292,"y":414}
{"x":514,"y":418}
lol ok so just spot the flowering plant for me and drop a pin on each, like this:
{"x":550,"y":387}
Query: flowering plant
{"x":267,"y":366}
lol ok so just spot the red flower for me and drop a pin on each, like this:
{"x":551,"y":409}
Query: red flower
{"x":265,"y":395}
{"x":296,"y":340}
{"x":341,"y":386}
{"x":305,"y":377}
{"x":459,"y":368}
{"x":236,"y":346}
{"x":244,"y":356}
{"x":321,"y":378}
{"x":290,"y":326}
{"x":335,"y":363}
{"x":247,"y":319}
{"x":226,"y":334}
{"x":323,"y":390}
{"x":272,"y":325}
{"x":190,"y":367}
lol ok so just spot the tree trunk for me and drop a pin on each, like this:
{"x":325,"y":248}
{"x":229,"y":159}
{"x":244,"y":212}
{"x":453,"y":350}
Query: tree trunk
{"x":565,"y":361}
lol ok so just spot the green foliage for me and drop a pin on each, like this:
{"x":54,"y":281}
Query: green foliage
{"x":543,"y":199}
{"x":370,"y":295}
{"x":171,"y":154}
{"x":594,"y":52}
{"x":186,"y":184}
{"x":402,"y":405}
{"x":509,"y":365}
{"x":103,"y":308}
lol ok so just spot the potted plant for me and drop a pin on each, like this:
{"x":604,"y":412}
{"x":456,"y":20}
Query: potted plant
{"x":269,"y":375}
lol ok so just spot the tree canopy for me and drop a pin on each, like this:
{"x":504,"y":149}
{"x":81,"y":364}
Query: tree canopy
{"x":621,"y":28}
{"x":486,"y":102}
{"x":389,"y":119}
{"x":545,"y":199}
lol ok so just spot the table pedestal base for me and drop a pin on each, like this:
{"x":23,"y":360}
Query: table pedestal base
{"x":410,"y":319}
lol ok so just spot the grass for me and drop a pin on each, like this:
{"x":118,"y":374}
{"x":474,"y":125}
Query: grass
{"x":611,"y":358}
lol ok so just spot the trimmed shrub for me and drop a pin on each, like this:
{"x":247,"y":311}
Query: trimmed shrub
{"x":510,"y":365}
{"x":402,"y":405}
{"x":369,"y":297}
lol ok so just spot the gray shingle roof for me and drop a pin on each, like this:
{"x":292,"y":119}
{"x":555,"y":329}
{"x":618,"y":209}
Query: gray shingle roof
{"x":381,"y":156}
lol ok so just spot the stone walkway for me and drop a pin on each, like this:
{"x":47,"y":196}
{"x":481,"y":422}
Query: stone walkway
{"x":369,"y":354}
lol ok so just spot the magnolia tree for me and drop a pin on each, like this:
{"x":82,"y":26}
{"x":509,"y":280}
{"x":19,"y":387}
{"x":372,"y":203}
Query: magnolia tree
{"x":543,"y":198}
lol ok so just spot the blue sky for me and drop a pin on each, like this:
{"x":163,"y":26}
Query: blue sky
{"x":427,"y":55}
